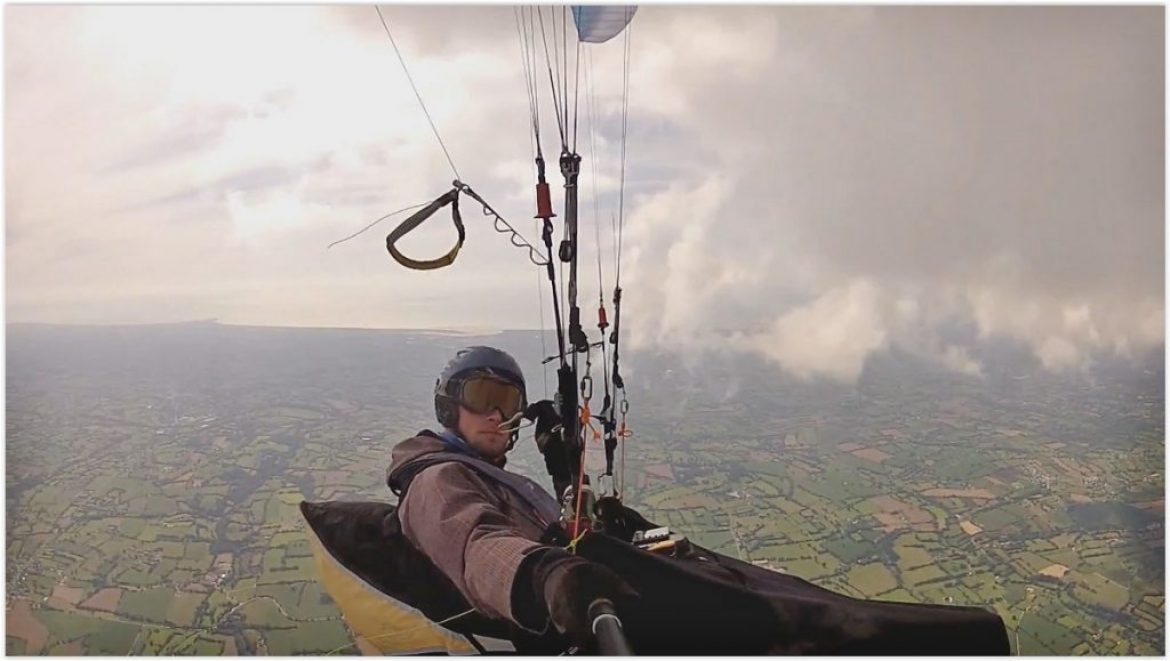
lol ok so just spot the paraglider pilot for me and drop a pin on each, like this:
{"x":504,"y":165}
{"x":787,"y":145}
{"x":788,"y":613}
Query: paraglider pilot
{"x":481,"y":533}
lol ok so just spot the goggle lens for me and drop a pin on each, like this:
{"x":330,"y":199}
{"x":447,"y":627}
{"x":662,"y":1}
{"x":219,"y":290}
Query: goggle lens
{"x":483,"y":395}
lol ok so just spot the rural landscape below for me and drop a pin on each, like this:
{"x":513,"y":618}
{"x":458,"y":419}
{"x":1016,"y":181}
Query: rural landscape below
{"x":154,"y":472}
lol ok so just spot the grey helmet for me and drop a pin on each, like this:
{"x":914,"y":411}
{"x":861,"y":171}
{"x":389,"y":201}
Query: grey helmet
{"x":468,"y":362}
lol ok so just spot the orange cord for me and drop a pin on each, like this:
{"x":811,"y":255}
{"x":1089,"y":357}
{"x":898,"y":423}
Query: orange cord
{"x":587,"y":421}
{"x":623,"y":431}
{"x":577,"y":495}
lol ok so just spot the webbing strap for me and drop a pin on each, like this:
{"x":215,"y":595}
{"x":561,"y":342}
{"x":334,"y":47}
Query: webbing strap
{"x":450,"y":197}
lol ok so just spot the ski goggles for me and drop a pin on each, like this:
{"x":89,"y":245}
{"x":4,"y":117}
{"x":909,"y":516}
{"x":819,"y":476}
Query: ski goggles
{"x":483,"y":395}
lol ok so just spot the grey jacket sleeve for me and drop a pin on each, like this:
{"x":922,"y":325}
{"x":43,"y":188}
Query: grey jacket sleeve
{"x":455,"y":518}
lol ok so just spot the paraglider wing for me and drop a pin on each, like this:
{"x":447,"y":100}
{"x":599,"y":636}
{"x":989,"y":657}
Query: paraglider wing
{"x":598,"y":23}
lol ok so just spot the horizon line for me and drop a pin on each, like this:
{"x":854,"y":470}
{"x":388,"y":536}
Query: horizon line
{"x":464,"y":330}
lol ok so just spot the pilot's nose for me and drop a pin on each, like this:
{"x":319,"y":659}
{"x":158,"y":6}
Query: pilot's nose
{"x":496,"y":416}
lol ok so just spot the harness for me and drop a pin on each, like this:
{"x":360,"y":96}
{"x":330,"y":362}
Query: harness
{"x":544,"y":506}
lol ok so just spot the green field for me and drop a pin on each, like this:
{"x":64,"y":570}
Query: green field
{"x":311,"y":638}
{"x":921,"y":575}
{"x":847,"y":549}
{"x":65,"y":627}
{"x":872,"y":579}
{"x":1096,"y":590}
{"x":262,"y":613}
{"x":287,"y":594}
{"x":14,"y":646}
{"x":113,"y":639}
{"x":911,"y":555}
{"x":151,"y":604}
{"x":183,"y":607}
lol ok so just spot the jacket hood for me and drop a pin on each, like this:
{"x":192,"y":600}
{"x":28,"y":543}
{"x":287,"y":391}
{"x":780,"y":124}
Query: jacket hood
{"x":424,"y":443}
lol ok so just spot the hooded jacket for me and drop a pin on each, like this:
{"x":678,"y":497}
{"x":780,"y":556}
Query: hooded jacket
{"x":475,"y":531}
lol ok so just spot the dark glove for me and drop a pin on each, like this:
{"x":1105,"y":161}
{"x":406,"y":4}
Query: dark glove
{"x":569,"y":584}
{"x":550,"y":443}
{"x":544,"y":412}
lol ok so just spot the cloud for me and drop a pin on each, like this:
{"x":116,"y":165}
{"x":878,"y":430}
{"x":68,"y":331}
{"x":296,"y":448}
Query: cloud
{"x":831,"y":336}
{"x":808,"y":184}
{"x":984,"y":163}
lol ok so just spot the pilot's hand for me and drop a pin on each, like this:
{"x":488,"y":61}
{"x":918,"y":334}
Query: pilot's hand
{"x":571,"y":584}
{"x":545,"y":414}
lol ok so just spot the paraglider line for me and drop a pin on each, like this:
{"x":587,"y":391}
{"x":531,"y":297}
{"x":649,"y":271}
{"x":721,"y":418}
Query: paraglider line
{"x":622,"y":184}
{"x":565,"y":69}
{"x":392,"y":213}
{"x":576,"y":90}
{"x":416,"y":94}
{"x":548,"y":60}
{"x":591,"y":111}
{"x":540,"y":307}
{"x":528,"y":60}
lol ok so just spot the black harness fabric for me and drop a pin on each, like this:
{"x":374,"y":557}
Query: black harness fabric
{"x":707,"y":603}
{"x":698,"y":602}
{"x":367,"y":538}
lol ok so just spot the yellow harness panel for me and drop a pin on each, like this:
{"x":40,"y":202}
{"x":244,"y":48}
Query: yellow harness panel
{"x":390,"y":625}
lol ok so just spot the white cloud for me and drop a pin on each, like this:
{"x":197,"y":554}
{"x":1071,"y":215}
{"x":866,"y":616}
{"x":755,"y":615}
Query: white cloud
{"x":821,"y":182}
{"x":1058,"y":354}
{"x":831,"y":336}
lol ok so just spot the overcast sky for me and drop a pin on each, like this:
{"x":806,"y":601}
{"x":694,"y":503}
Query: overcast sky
{"x":809,"y":183}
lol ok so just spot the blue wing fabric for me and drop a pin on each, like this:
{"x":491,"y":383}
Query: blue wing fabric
{"x":598,"y":23}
